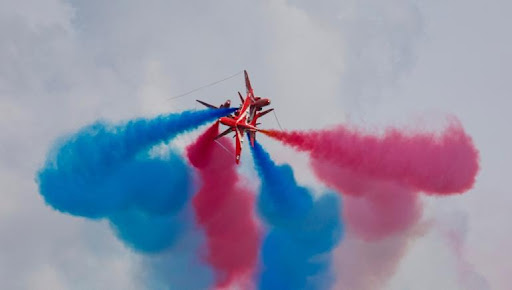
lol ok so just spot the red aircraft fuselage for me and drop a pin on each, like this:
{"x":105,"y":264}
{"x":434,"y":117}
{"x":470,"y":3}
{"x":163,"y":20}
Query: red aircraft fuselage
{"x":245,"y":118}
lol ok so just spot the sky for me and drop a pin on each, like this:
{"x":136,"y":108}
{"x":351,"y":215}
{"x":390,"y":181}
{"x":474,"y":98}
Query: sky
{"x":370,"y":63}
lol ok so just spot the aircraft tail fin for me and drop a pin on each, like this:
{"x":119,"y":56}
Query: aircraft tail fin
{"x":252,"y":137}
{"x":248,"y":86}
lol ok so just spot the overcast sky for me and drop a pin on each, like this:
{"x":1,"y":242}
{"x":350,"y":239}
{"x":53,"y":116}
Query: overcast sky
{"x":64,"y":64}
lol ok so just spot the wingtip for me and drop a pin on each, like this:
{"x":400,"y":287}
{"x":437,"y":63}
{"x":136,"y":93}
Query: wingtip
{"x":206,"y":104}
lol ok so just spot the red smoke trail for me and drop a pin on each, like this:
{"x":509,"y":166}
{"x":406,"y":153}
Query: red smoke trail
{"x":373,"y":209}
{"x":380,"y":177}
{"x":224,"y":208}
{"x":381,"y":218}
{"x":454,"y":229}
{"x":363,"y":265}
{"x":386,"y":171}
{"x":436,"y":164}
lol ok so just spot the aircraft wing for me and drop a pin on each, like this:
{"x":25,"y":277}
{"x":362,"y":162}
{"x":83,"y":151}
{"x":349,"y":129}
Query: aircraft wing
{"x":206,"y":104}
{"x":238,"y":146}
{"x":261,"y":114}
{"x":224,"y":133}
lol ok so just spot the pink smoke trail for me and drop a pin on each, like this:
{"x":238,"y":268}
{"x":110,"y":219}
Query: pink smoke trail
{"x":373,"y":209}
{"x":381,"y":219}
{"x":436,"y":164}
{"x":454,"y":230}
{"x":225,"y":209}
{"x":368,"y":265}
{"x":380,"y":177}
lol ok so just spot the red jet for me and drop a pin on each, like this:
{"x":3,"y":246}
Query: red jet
{"x":245,"y":118}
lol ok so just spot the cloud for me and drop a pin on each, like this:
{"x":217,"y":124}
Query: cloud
{"x":379,"y":43}
{"x":64,"y":64}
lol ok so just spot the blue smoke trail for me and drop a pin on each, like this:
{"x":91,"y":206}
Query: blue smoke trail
{"x":182,"y":266}
{"x":106,"y":171}
{"x":303,"y":231}
{"x":158,"y":190}
{"x":85,"y":174}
